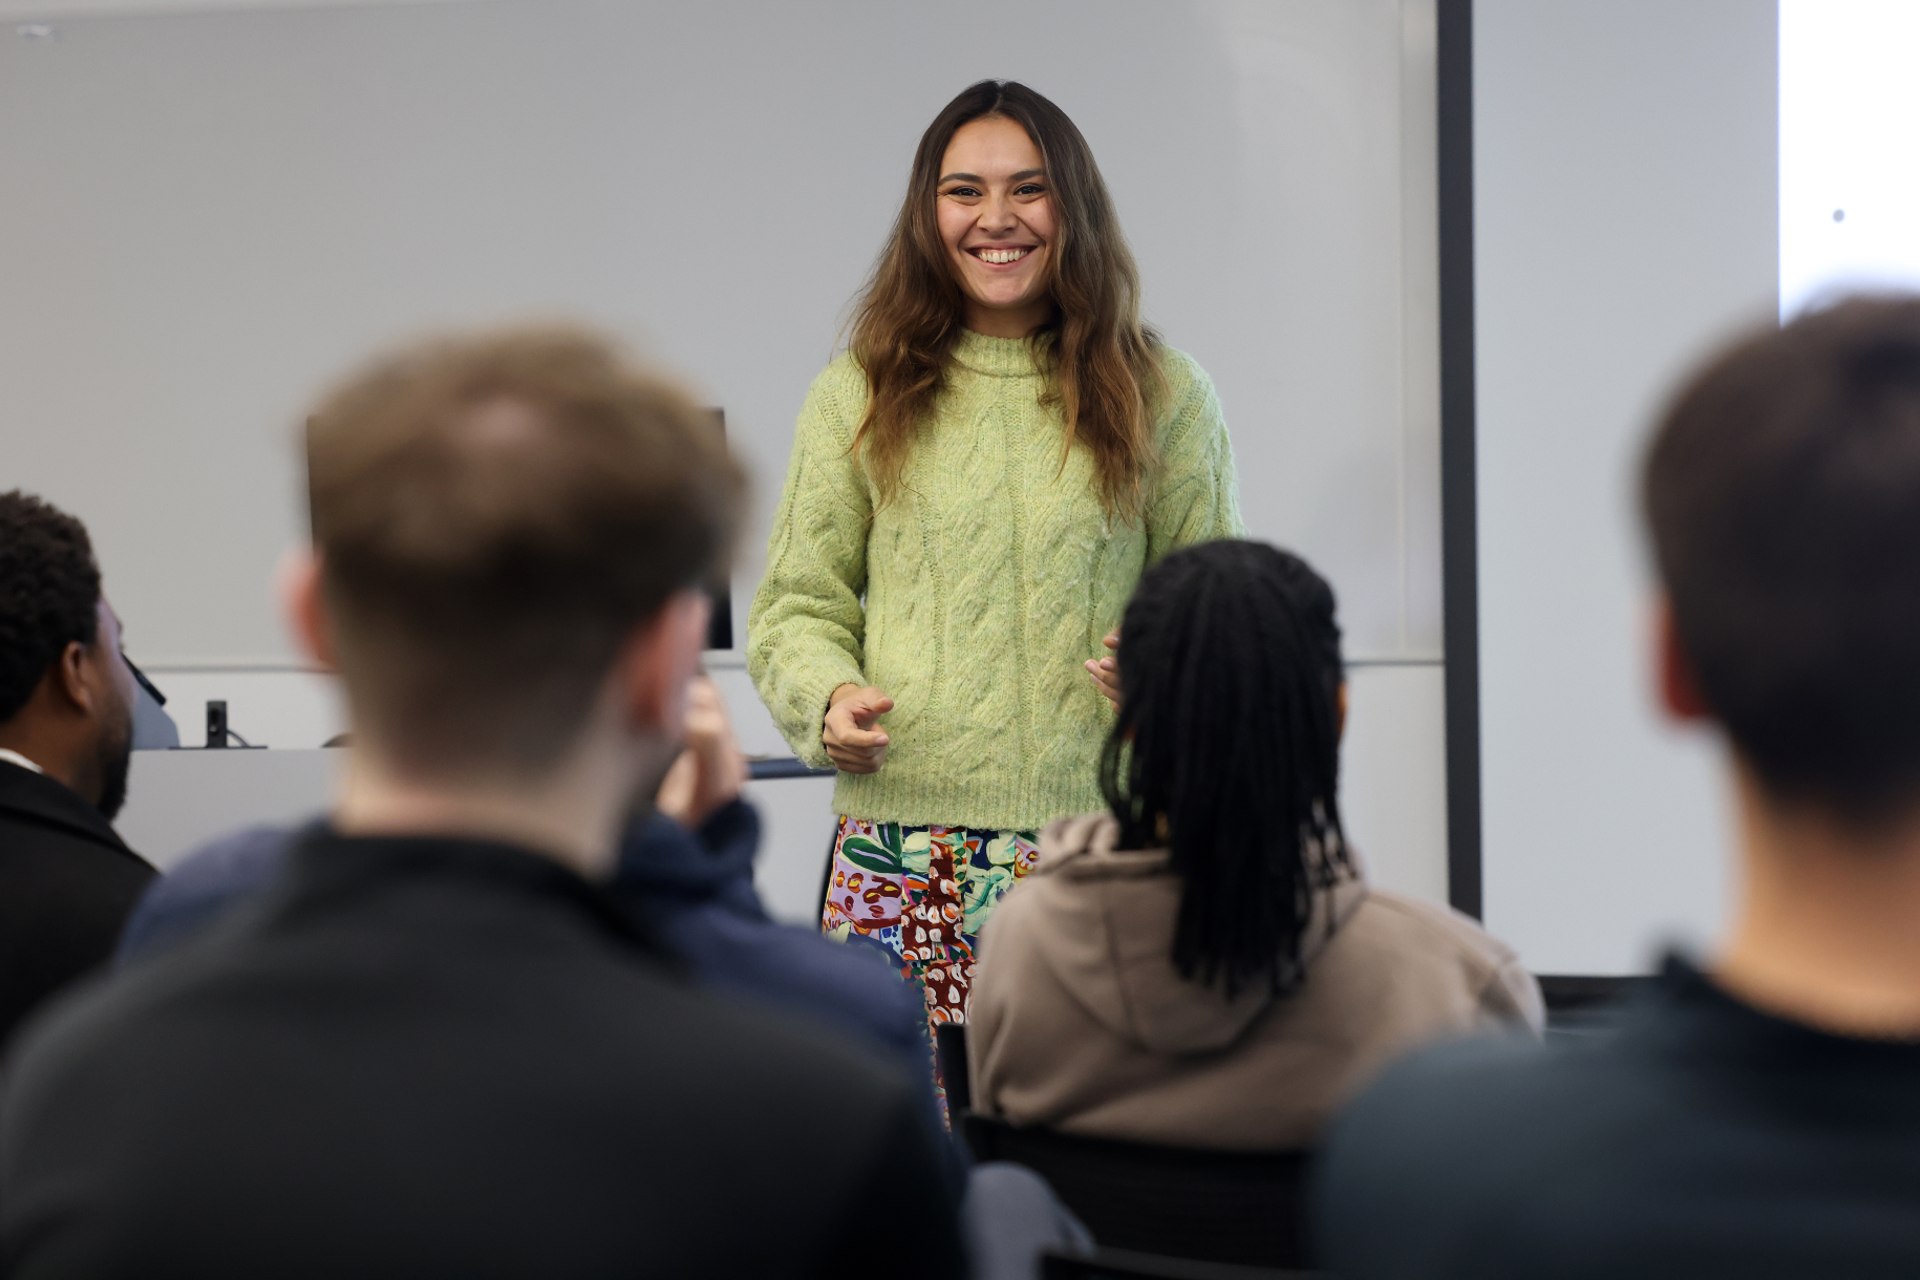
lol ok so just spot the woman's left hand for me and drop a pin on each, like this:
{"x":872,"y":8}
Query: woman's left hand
{"x":1106,"y":671}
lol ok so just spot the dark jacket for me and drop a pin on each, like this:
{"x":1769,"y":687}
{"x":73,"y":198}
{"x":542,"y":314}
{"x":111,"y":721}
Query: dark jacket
{"x":696,"y":893}
{"x":67,"y":883}
{"x":437,"y":1057}
{"x":1701,"y":1138}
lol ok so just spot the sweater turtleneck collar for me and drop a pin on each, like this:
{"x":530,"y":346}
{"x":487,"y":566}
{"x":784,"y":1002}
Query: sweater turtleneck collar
{"x":995,"y":357}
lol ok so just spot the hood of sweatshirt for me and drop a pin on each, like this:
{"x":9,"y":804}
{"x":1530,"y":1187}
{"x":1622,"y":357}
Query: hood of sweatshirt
{"x":1112,"y":914}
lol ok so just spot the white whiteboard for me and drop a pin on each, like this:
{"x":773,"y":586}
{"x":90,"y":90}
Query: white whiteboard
{"x":1625,"y":161}
{"x":209,"y":215}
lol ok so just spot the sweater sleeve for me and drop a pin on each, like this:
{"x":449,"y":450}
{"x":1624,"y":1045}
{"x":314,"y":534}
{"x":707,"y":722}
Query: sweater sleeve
{"x":807,"y":625}
{"x":1197,"y":496}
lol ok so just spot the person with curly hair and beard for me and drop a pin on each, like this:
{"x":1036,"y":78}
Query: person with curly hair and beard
{"x":67,"y":880}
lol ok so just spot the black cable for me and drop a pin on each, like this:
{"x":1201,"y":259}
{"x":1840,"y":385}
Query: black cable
{"x":152,"y":689}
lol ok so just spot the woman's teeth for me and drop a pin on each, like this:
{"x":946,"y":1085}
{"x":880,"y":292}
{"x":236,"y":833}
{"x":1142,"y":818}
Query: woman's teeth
{"x":1000,"y":256}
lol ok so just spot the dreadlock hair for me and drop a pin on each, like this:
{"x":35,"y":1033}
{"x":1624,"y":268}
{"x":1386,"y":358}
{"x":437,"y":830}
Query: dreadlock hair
{"x":49,"y":593}
{"x":1227,"y":753}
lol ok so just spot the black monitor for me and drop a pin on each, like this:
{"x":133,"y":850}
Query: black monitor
{"x":720,"y":625}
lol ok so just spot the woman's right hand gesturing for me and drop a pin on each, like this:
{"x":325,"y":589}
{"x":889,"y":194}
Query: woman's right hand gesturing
{"x":1106,"y":671}
{"x":854,"y":740}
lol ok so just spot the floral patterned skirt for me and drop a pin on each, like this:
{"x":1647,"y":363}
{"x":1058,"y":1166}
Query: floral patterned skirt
{"x":920,"y":895}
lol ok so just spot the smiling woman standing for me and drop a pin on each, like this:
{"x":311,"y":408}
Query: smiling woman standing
{"x":976,"y":485}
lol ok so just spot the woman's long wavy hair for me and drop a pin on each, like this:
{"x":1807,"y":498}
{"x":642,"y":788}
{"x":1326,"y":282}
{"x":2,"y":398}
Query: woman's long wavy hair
{"x":1227,"y":753}
{"x":1103,"y":364}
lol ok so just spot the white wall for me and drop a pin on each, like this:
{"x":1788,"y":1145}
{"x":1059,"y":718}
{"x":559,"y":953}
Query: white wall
{"x":44,"y":11}
{"x":210,"y":215}
{"x":1848,"y":100}
{"x":225,"y":207}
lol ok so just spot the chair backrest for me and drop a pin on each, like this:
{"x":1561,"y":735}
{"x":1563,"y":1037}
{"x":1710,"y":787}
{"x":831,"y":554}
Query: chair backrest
{"x":1178,"y":1202}
{"x":950,"y":1053}
{"x":1124,"y":1264}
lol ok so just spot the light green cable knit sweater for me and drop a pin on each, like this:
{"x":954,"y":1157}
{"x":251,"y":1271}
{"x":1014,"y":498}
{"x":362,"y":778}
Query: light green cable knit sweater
{"x":987,"y":583}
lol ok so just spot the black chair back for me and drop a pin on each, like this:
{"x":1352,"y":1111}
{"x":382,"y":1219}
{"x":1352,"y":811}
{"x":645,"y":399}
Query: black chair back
{"x":1211,"y":1206}
{"x":1121,"y":1264}
{"x":950,"y":1054}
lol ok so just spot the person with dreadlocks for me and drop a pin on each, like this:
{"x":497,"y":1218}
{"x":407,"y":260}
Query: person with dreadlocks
{"x":1205,"y":964}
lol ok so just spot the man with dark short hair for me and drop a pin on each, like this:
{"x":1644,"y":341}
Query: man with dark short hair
{"x":438,"y":1046}
{"x":1758,"y":1115}
{"x":67,"y":881}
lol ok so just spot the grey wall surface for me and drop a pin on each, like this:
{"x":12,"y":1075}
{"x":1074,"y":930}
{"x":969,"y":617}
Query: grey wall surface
{"x":209,"y":215}
{"x":1393,"y":787}
{"x":177,"y":801}
{"x":1625,"y":156}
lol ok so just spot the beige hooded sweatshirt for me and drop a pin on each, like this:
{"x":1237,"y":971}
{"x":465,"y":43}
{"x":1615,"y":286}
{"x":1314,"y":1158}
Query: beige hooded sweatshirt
{"x":1079,"y":1021}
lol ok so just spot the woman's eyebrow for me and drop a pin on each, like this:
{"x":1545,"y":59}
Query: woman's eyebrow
{"x":1021,"y":176}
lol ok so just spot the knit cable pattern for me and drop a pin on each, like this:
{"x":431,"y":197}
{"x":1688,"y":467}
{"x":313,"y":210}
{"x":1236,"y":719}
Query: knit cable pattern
{"x":975,"y":595}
